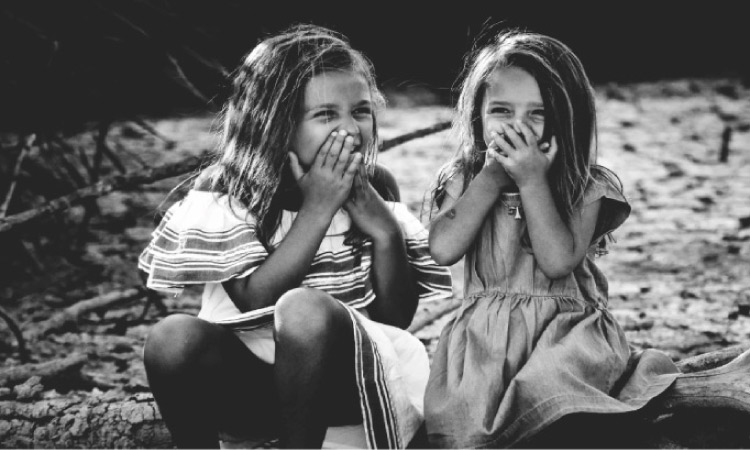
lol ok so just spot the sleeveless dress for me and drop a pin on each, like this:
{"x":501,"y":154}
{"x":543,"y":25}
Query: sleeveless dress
{"x":524,"y":350}
{"x":208,"y":238}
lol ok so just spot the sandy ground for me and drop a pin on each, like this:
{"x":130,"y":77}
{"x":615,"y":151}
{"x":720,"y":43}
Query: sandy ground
{"x":679,"y":273}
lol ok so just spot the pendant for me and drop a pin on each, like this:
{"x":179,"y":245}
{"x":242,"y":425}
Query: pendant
{"x":513,"y":202}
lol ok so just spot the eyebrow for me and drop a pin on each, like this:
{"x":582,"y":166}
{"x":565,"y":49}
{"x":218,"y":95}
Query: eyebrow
{"x":502,"y":102}
{"x":363,"y":102}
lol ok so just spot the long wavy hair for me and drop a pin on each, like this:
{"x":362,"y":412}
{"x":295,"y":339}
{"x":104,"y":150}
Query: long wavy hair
{"x":264,"y":110}
{"x":569,"y":104}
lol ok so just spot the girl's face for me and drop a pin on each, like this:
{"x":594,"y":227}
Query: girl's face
{"x":511,"y":94}
{"x":336,"y":100}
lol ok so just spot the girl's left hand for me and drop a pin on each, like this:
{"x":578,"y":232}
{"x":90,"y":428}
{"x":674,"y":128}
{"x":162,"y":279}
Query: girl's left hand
{"x":523,"y":157}
{"x":368,"y":210}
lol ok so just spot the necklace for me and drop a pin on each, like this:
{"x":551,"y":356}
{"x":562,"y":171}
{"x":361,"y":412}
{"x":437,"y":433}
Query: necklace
{"x":513,"y":202}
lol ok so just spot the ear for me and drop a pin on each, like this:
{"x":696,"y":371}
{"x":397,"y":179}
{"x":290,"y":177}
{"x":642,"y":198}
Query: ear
{"x":552,"y":152}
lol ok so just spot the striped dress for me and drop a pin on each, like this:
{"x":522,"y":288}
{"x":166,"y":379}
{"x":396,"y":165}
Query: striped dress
{"x":207,"y":238}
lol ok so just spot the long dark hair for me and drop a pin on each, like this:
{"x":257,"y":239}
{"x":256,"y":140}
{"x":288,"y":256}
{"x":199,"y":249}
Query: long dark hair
{"x":569,"y":103}
{"x":264,"y":110}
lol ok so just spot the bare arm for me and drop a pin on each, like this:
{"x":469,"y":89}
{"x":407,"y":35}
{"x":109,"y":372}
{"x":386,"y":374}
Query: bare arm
{"x":324,"y":187}
{"x":393,"y":281}
{"x":558,"y":247}
{"x":457,"y":223}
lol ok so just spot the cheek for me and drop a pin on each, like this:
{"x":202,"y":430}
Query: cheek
{"x":538,"y":129}
{"x":490,"y":125}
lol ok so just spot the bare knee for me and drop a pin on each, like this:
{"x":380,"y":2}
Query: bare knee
{"x":305,"y":314}
{"x":178,"y":342}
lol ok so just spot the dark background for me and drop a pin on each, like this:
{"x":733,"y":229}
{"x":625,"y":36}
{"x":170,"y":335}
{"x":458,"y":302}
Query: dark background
{"x":67,"y":60}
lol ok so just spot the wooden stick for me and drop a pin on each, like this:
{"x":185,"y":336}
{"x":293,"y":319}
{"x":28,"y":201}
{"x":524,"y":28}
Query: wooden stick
{"x":104,"y":186}
{"x":18,"y":374}
{"x":726,"y":136}
{"x":25,"y":143}
{"x":118,"y":182}
{"x":81,"y":154}
{"x":390,"y":143}
{"x":23,"y":352}
{"x":71,"y":314}
{"x":149,"y":128}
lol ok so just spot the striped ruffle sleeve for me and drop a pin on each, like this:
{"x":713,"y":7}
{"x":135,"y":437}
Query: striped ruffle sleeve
{"x":201,"y":240}
{"x":434,"y":281}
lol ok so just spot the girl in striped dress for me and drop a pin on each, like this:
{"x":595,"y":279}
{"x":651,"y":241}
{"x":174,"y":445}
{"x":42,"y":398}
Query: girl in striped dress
{"x":311,"y":268}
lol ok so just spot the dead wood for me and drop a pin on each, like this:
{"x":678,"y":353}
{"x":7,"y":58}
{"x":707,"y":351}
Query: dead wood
{"x":14,"y":375}
{"x":398,"y":140}
{"x":83,"y":421}
{"x":25,"y":142}
{"x":119,"y":182}
{"x":70,"y":315}
{"x":23,"y":352}
{"x":725,"y":387}
{"x":104,"y":186}
{"x":711,"y":360}
{"x":95,"y":420}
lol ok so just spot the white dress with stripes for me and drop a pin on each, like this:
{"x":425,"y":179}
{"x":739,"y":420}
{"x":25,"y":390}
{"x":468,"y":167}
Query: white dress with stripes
{"x":203,"y":240}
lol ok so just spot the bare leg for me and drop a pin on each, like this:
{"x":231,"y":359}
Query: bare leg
{"x":201,"y":375}
{"x":314,"y":367}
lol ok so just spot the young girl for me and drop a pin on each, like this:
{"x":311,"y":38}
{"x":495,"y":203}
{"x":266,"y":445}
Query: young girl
{"x":309,"y":275}
{"x":526,"y":203}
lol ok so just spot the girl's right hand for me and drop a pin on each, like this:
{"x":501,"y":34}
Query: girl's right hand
{"x":493,"y":166}
{"x":326,"y":185}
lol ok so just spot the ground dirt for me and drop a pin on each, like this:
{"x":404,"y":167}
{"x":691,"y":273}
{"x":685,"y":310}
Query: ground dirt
{"x":679,"y":273}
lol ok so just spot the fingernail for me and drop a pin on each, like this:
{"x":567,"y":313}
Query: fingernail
{"x":349,"y":139}
{"x":342,"y":132}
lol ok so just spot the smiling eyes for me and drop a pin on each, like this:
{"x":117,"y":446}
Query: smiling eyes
{"x":535,"y":115}
{"x":362,"y":113}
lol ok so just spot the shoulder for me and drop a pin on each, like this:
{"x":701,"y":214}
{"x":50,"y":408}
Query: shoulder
{"x":604,"y":184}
{"x":385,"y":183}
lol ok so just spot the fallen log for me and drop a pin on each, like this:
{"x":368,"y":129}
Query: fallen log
{"x":70,"y":315}
{"x":117,"y":419}
{"x":90,"y":420}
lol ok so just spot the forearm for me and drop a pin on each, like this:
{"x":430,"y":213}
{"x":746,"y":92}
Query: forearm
{"x":285,"y":268}
{"x":395,"y":289}
{"x":455,"y":228}
{"x":551,"y":238}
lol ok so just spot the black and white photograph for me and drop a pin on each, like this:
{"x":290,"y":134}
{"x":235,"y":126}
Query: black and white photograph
{"x":238,"y":224}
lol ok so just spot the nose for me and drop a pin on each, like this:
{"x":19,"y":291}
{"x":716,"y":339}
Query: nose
{"x":350,"y":126}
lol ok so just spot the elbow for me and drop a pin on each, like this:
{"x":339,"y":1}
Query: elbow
{"x":442,"y":254}
{"x":557,"y":270}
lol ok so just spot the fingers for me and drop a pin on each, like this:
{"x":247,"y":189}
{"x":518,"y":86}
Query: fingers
{"x":515,"y":136}
{"x":344,"y":157}
{"x":500,"y":144}
{"x":295,"y":166}
{"x":323,"y":156}
{"x":353,"y":167}
{"x":528,"y":134}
